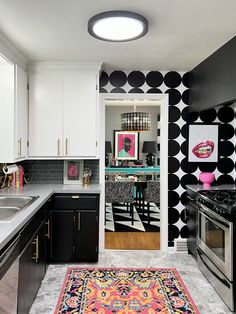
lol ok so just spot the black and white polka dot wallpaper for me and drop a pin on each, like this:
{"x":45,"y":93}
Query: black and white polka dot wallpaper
{"x":176,"y":84}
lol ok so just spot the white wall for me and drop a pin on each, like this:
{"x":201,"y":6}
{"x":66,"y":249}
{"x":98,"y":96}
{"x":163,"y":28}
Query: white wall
{"x":113,"y":122}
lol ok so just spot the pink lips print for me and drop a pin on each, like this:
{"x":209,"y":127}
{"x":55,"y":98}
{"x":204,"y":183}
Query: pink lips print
{"x":203,"y":149}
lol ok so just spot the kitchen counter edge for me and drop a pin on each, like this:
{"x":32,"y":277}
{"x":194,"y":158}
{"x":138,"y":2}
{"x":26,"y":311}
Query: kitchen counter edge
{"x":199,"y":187}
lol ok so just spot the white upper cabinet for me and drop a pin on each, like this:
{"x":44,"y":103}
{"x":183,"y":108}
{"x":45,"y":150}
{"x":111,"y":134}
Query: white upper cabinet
{"x":45,"y":112}
{"x":21,"y":149}
{"x":63,"y":106}
{"x":14,"y":113}
{"x":80,"y":114}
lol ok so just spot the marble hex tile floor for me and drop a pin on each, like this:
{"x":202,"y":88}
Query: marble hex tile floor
{"x":201,"y":291}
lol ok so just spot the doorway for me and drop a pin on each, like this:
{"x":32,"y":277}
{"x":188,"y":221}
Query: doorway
{"x":155,"y":103}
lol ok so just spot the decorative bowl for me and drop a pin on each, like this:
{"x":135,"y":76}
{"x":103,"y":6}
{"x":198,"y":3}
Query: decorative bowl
{"x":206,"y":178}
{"x":138,"y":162}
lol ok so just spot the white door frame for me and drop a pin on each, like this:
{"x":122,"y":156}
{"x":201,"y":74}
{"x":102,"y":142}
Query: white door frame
{"x":164,"y":102}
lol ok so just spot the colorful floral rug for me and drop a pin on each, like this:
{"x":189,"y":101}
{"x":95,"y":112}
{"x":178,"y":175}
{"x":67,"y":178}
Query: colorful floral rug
{"x":124,"y":291}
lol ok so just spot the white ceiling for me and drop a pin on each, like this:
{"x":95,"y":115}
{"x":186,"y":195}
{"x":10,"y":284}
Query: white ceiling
{"x":181,"y":34}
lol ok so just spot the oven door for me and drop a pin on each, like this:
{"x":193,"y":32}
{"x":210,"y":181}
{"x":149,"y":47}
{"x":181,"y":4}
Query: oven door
{"x":215,"y":239}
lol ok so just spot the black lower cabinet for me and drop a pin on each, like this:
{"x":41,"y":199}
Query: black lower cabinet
{"x":62,"y":235}
{"x":74,"y":228}
{"x":86,"y":235}
{"x":32,"y":268}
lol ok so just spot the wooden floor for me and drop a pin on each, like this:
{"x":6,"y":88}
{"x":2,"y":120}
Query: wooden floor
{"x":132,"y":240}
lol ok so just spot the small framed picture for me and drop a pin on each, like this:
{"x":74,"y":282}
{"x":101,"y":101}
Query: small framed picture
{"x":203,"y":142}
{"x":126,"y":145}
{"x":73,"y":171}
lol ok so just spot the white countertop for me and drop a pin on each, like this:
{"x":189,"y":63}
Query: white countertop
{"x":9,"y":228}
{"x":199,"y":187}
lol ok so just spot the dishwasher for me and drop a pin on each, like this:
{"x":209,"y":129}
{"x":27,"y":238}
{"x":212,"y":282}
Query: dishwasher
{"x":9,"y":268}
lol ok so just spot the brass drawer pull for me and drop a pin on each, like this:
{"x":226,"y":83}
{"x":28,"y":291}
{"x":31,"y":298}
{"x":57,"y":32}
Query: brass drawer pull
{"x":36,"y":254}
{"x":79,"y":221}
{"x":58,"y":147}
{"x":48,"y":233}
{"x":66,"y":146}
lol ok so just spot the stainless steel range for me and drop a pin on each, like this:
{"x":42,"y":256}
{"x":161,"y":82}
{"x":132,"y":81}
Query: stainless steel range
{"x":216,"y":241}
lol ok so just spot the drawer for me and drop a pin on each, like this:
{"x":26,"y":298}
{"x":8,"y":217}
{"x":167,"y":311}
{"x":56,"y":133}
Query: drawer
{"x":29,"y":229}
{"x":76,"y":201}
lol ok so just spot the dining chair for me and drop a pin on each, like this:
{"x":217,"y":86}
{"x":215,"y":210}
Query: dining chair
{"x":120,"y":192}
{"x":151,"y":195}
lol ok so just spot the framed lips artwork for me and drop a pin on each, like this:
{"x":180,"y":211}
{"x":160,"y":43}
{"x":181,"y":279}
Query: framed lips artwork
{"x":203,"y":142}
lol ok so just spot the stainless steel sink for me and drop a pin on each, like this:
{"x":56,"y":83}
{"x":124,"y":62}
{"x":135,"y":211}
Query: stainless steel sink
{"x":11,"y":205}
{"x":7,"y":213}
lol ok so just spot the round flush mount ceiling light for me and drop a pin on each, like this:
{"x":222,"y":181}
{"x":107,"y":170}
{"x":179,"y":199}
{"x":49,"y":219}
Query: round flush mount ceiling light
{"x":117,"y":26}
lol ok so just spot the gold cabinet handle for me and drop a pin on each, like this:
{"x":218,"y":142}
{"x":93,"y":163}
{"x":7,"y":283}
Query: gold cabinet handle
{"x":66,"y":146}
{"x":78,"y":221}
{"x":58,"y":147}
{"x":19,"y":148}
{"x":75,"y":196}
{"x":36,"y":254}
{"x":48,"y":231}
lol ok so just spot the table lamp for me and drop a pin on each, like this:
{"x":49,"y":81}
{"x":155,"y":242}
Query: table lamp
{"x":108,"y":150}
{"x":150,"y":147}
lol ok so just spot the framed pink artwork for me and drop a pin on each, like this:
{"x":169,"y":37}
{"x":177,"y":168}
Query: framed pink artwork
{"x":203,"y":142}
{"x":126,"y":145}
{"x":73,"y":171}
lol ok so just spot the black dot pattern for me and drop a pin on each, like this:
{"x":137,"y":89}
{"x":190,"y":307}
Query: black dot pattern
{"x":226,"y":114}
{"x":208,"y":116}
{"x":118,"y":78}
{"x":172,"y":79}
{"x":136,"y":78}
{"x":154,"y":79}
{"x":181,"y":172}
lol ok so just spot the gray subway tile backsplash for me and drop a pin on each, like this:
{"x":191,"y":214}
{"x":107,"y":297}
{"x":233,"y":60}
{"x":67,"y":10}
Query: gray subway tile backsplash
{"x":51,"y":171}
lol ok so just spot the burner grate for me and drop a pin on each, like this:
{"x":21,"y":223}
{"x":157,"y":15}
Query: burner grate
{"x":222,"y":197}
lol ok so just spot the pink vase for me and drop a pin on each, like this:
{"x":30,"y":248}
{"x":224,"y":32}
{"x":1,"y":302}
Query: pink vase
{"x":206,"y":178}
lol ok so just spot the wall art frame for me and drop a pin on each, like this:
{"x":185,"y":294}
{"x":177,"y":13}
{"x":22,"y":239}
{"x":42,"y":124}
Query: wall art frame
{"x":126,"y":145}
{"x":203,"y":142}
{"x":73,"y":171}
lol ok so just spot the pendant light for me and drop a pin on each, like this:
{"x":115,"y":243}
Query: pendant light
{"x":117,"y":26}
{"x":135,"y":121}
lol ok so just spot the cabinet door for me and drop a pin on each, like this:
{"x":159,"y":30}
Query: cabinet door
{"x":86,"y":247}
{"x":7,"y":113}
{"x":31,"y":271}
{"x":62,"y":235}
{"x":45,"y":115}
{"x":80,"y":114}
{"x":21,"y":118}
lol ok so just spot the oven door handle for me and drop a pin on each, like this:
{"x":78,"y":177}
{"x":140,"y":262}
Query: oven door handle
{"x":206,"y":212}
{"x":225,"y":282}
